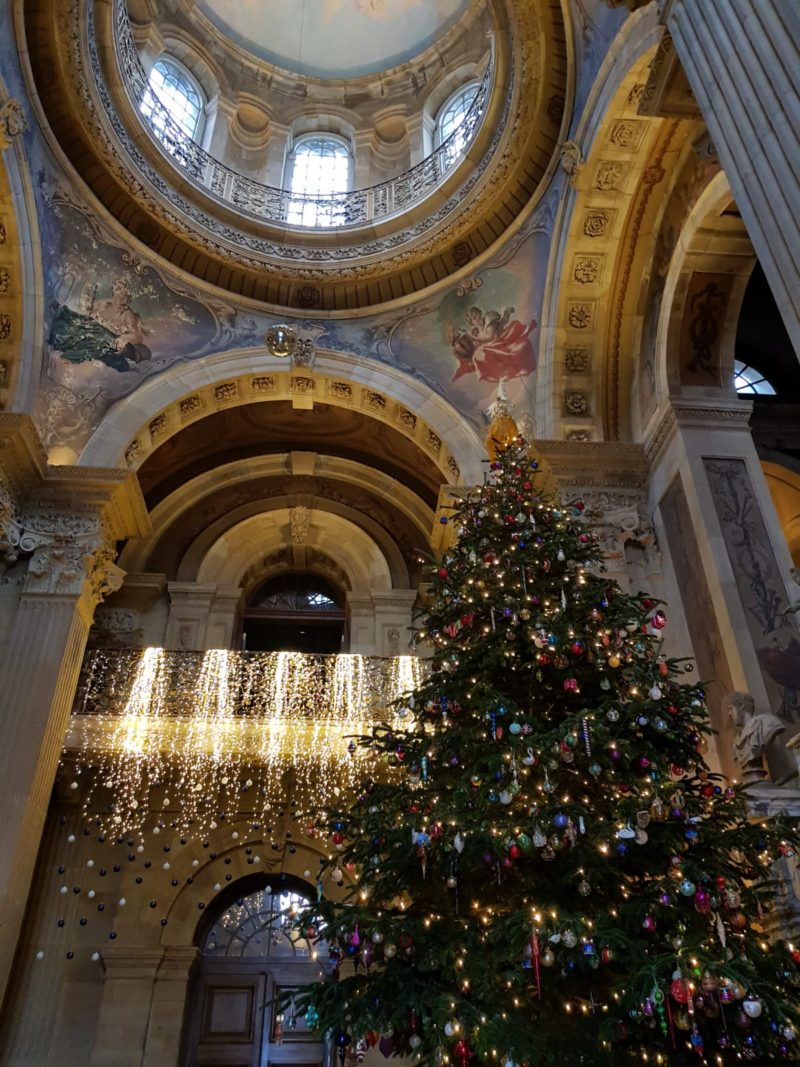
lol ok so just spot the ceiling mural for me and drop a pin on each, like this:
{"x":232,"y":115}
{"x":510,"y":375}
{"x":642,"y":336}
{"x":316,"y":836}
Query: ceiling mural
{"x":115,"y":321}
{"x":334,"y":38}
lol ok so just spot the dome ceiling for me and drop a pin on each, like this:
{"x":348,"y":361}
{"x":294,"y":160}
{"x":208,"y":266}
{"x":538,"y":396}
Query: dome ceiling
{"x":334,"y":38}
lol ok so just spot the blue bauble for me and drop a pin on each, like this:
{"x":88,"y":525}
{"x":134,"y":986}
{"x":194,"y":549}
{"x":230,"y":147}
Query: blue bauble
{"x":561,"y":820}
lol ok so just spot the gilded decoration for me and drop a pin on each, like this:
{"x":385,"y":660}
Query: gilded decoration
{"x":514,"y":150}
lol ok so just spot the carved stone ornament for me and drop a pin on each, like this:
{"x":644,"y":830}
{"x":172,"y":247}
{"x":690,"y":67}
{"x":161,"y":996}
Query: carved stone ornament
{"x":571,"y":159}
{"x":68,"y":552}
{"x":300,"y":520}
{"x":625,"y":532}
{"x":12,"y":121}
{"x":760,"y":739}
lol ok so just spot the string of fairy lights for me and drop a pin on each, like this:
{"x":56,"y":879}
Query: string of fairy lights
{"x":202,"y":732}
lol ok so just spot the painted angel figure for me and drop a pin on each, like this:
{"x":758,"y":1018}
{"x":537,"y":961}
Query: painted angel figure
{"x":493,"y":345}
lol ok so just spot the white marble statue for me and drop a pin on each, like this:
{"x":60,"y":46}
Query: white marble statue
{"x":759,"y":740}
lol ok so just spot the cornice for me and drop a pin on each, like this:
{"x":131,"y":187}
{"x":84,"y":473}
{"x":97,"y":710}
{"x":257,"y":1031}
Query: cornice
{"x":685,"y":413}
{"x":35,"y":486}
{"x":596,"y":464}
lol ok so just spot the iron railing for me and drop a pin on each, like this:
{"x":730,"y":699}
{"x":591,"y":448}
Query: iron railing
{"x":269,"y":203}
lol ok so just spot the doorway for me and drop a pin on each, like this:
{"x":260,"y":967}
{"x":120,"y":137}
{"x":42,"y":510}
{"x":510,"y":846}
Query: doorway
{"x":250,"y":957}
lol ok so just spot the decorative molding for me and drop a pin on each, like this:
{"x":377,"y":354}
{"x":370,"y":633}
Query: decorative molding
{"x":714,"y":414}
{"x":512,"y":152}
{"x":66,"y":520}
{"x":12,"y":121}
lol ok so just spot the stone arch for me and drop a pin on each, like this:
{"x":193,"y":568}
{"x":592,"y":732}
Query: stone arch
{"x":783,"y":483}
{"x":162,"y":406}
{"x":234,"y":552}
{"x":169,"y":512}
{"x":615,"y":158}
{"x":21,"y":285}
{"x":711,"y":266}
{"x":316,"y":509}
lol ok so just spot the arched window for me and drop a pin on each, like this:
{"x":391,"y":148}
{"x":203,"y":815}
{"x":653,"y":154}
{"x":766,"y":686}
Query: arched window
{"x":172,"y":104}
{"x":260,"y":924}
{"x":451,"y":117}
{"x":749,"y":381}
{"x":295,"y":613}
{"x":319,"y":172}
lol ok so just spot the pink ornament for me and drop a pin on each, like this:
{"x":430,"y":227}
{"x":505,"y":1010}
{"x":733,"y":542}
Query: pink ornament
{"x":649,"y":924}
{"x":571,"y":685}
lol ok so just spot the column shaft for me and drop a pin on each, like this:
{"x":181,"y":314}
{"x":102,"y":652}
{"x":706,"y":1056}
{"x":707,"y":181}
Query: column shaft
{"x":38,"y":677}
{"x":741,"y":58}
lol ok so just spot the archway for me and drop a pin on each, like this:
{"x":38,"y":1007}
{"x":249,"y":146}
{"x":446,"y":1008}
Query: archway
{"x":162,"y":407}
{"x":250,"y":959}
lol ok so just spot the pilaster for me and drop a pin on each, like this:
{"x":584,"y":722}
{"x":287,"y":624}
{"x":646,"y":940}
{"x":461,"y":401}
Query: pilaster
{"x":716,"y":520}
{"x":125,"y":1008}
{"x":164,"y":1032}
{"x":58,"y":531}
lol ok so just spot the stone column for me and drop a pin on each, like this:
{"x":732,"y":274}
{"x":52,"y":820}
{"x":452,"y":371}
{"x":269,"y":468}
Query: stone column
{"x":741,"y":58}
{"x":58,"y":528}
{"x":125,"y":1009}
{"x":715,"y":519}
{"x":164,"y":1029}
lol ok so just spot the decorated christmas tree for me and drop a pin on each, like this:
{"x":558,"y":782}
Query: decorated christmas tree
{"x":542,"y":868}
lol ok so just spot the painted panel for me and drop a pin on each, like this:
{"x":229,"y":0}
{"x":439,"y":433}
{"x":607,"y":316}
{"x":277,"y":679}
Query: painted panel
{"x":758,"y":580}
{"x":115,"y":320}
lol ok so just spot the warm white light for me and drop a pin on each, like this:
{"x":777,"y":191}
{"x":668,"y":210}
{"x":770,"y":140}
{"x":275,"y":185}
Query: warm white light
{"x":216,"y":724}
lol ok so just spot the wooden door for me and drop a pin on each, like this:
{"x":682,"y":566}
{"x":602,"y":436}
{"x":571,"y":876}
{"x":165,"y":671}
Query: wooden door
{"x":228,"y":1020}
{"x":233,"y":1017}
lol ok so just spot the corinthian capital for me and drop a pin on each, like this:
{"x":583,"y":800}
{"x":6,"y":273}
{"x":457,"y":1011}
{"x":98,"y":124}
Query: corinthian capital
{"x":70,"y":554}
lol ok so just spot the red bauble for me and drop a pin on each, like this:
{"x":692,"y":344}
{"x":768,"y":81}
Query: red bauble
{"x":337,"y":838}
{"x":489,"y":557}
{"x":514,"y":852}
{"x":571,"y":685}
{"x":606,"y":954}
{"x":680,"y":990}
{"x":673,"y":709}
{"x":443,"y":572}
{"x":467,"y":620}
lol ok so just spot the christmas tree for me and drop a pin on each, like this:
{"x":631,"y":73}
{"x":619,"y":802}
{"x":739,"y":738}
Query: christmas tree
{"x":543,"y":869}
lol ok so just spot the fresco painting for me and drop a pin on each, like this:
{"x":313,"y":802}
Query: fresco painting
{"x":114,"y":322}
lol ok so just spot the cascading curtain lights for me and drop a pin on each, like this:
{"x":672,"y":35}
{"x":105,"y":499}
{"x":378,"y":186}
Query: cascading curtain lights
{"x":206,"y":733}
